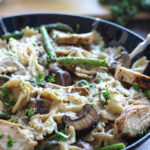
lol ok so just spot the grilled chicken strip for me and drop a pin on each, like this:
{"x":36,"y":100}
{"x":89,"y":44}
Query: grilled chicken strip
{"x":133,"y":120}
{"x":129,"y":76}
{"x":64,"y":38}
{"x":22,"y":138}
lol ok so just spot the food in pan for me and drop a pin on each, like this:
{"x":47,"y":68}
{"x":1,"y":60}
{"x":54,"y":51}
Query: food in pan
{"x":69,"y":91}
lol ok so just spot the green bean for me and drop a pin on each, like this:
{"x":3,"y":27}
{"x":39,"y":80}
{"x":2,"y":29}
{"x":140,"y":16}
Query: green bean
{"x":16,"y":34}
{"x":118,"y":146}
{"x":47,"y":43}
{"x":19,"y":34}
{"x":82,"y":61}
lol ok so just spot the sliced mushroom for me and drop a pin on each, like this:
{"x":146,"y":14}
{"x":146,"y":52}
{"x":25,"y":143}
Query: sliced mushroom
{"x":125,"y":61}
{"x":62,"y":77}
{"x":40,"y":106}
{"x":3,"y":79}
{"x":84,"y":145}
{"x":126,"y":75}
{"x":85,"y":123}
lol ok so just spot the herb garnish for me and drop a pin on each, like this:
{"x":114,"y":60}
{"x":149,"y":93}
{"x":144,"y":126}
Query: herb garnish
{"x":106,"y":95}
{"x":10,"y":52}
{"x":39,"y":77}
{"x":102,"y":48}
{"x":142,"y":132}
{"x":5,"y":115}
{"x":77,"y":28}
{"x":52,"y":78}
{"x":147,"y":93}
{"x":1,"y":136}
{"x":29,"y":113}
{"x":23,"y":84}
{"x":10,"y":142}
{"x":84,"y":83}
{"x":124,"y":10}
{"x":13,"y":120}
{"x":59,"y":135}
{"x":34,"y":44}
{"x":5,"y":95}
{"x":56,"y":93}
{"x":92,"y":104}
{"x":136,"y":87}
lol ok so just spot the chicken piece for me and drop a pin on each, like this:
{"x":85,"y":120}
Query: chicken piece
{"x":129,"y":76}
{"x":133,"y":120}
{"x":22,"y":138}
{"x":64,"y":38}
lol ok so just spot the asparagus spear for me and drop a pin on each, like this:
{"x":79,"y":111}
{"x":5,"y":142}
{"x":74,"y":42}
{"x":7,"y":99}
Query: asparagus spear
{"x":47,"y":43}
{"x":19,"y":34}
{"x":118,"y":146}
{"x":82,"y":61}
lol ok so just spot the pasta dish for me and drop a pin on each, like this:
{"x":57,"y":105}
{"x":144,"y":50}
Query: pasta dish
{"x":65,"y":90}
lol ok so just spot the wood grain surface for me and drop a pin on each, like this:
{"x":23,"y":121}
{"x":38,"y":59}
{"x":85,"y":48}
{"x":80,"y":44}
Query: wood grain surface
{"x":79,"y":7}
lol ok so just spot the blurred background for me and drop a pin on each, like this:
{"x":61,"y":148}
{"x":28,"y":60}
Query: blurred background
{"x":134,"y":14}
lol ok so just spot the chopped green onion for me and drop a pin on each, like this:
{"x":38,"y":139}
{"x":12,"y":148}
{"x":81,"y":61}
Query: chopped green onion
{"x":147,"y":93}
{"x":10,"y":52}
{"x":92,"y":104}
{"x":5,"y":94}
{"x":56,"y":93}
{"x":13,"y":120}
{"x":102,"y":48}
{"x":29,"y":113}
{"x":10,"y":142}
{"x":105,"y":95}
{"x":5,"y":115}
{"x":84,"y":83}
{"x":39,"y":77}
{"x":59,"y":135}
{"x":142,"y":132}
{"x":77,"y":28}
{"x":52,"y":78}
{"x":23,"y":85}
{"x":136,"y":87}
{"x":1,"y":136}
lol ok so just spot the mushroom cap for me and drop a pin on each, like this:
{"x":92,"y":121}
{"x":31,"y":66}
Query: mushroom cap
{"x":62,"y":77}
{"x":125,"y":59}
{"x":85,"y":123}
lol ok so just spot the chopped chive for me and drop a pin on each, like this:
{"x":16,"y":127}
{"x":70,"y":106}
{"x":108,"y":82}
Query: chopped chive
{"x":102,"y":48}
{"x":10,"y":142}
{"x":56,"y":93}
{"x":77,"y":28}
{"x":1,"y":136}
{"x":136,"y":87}
{"x":29,"y":113}
{"x":13,"y":120}
{"x":52,"y":78}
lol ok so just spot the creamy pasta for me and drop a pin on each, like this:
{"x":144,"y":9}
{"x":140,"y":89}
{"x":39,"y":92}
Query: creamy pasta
{"x":72,"y":106}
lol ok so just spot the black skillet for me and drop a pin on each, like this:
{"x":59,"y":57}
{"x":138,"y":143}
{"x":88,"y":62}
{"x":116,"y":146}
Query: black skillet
{"x":112,"y":34}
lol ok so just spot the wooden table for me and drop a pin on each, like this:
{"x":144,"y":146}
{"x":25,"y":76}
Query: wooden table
{"x":79,"y":7}
{"x":140,"y":25}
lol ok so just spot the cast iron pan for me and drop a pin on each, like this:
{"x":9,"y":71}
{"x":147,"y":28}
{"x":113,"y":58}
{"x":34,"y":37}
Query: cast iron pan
{"x":113,"y":35}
